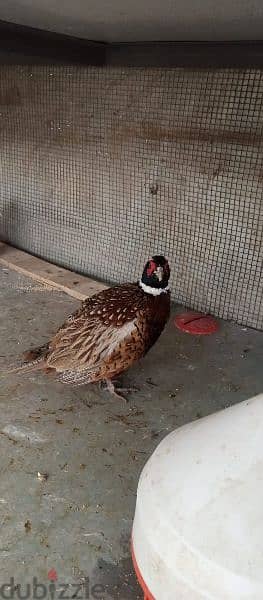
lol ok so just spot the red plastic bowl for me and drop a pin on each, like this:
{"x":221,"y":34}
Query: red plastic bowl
{"x":196,"y":323}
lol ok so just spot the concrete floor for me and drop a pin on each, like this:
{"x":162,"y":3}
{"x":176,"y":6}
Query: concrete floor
{"x":78,"y":521}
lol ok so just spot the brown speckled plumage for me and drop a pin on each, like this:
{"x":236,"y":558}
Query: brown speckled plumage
{"x":105,"y":336}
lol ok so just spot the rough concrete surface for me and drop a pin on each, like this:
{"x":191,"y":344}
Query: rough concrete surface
{"x":91,"y":447}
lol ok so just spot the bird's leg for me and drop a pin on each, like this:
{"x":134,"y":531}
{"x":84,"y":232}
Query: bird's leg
{"x":122,"y":389}
{"x":111,"y":388}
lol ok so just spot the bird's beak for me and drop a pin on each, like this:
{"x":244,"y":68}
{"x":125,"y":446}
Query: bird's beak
{"x":159,"y":273}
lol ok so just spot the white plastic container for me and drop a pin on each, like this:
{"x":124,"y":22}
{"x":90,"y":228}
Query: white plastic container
{"x":198,"y":526}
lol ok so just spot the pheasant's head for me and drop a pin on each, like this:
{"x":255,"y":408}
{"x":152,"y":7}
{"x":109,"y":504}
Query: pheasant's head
{"x":155,"y":275}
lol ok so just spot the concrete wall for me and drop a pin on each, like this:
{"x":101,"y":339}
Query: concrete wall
{"x":134,"y":20}
{"x":101,"y":168}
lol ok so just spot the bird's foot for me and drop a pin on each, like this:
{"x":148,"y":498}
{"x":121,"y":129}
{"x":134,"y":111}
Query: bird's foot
{"x":117,"y":392}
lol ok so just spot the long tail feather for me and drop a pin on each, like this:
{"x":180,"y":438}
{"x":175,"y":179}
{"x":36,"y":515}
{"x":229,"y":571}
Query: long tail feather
{"x":34,"y":365}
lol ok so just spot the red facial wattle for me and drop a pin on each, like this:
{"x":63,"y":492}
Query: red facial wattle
{"x":150,"y":270}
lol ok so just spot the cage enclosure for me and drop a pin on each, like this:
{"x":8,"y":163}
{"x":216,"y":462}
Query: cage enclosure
{"x":111,"y":151}
{"x":105,"y":163}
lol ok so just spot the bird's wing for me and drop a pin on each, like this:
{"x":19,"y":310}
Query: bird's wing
{"x":99,"y":332}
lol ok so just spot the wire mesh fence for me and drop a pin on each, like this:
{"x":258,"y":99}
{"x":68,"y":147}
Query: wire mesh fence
{"x":102,"y":167}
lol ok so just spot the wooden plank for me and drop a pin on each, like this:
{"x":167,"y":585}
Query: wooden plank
{"x":48,"y":274}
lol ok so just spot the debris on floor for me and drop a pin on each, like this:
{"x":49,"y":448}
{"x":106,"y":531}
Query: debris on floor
{"x":71,"y":457}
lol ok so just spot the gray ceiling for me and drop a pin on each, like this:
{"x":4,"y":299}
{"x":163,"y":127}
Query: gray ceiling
{"x":141,"y":20}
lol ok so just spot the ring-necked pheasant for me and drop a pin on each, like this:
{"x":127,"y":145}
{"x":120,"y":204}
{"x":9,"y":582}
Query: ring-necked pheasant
{"x":110,"y":331}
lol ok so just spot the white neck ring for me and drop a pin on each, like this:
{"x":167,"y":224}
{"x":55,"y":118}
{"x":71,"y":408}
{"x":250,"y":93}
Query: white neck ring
{"x":153,"y":291}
